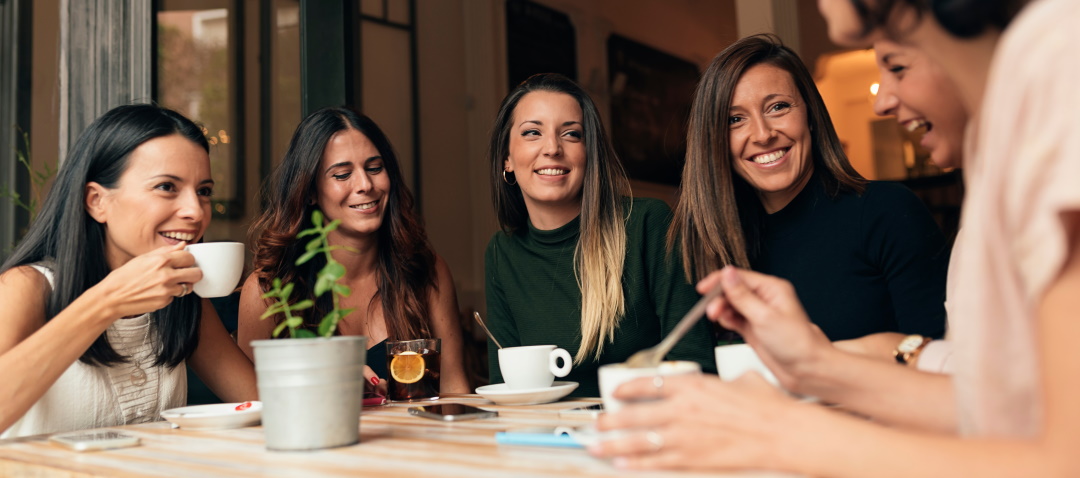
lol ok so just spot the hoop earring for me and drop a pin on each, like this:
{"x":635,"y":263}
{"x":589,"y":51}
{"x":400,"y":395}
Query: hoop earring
{"x":507,"y":181}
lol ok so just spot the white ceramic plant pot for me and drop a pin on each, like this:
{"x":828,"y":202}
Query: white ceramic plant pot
{"x":311,"y":390}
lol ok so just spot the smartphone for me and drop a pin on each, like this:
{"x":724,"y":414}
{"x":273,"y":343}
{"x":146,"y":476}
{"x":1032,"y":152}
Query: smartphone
{"x":95,"y":440}
{"x":451,"y":412}
{"x":538,"y":436}
{"x":591,"y":411}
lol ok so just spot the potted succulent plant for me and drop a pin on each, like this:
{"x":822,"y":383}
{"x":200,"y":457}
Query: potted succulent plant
{"x":311,"y":387}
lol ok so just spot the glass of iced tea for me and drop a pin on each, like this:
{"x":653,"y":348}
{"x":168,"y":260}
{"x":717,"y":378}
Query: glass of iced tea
{"x":413,"y":367}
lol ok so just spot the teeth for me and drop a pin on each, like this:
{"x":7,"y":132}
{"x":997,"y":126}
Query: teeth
{"x":770,"y":157}
{"x":915,"y":124}
{"x":551,"y":172}
{"x":365,"y":206}
{"x":180,"y":236}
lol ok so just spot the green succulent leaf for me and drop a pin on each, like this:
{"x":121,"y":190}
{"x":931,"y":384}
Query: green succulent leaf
{"x":323,"y":284}
{"x":342,"y":290}
{"x":333,"y":269}
{"x":277,"y":330}
{"x":304,"y":334}
{"x":306,"y":257}
{"x":304,"y":304}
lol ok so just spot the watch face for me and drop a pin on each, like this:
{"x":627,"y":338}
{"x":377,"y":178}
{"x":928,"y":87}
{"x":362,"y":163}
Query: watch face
{"x":910,"y":343}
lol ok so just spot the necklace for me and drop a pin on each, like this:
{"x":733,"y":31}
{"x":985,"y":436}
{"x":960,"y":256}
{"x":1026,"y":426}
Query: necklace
{"x":138,"y":375}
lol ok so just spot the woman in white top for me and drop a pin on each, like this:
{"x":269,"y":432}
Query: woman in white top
{"x":98,"y":320}
{"x":1010,"y":407}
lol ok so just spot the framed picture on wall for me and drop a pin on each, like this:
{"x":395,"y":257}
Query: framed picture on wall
{"x":650,"y":101}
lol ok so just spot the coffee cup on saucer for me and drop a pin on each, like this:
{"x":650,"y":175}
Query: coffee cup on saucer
{"x":533,"y":366}
{"x":221,"y":264}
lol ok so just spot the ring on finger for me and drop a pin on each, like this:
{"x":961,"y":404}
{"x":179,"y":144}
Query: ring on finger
{"x":655,"y":439}
{"x":185,"y":289}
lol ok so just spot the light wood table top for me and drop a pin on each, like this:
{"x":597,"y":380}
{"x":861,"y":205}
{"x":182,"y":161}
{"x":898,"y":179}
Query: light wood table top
{"x":393,"y":444}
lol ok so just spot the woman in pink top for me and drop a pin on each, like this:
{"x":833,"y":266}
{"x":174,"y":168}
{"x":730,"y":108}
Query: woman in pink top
{"x":1012,"y":313}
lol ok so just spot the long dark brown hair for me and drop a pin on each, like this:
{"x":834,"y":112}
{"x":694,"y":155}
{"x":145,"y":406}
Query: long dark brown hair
{"x":406,"y":264}
{"x":66,"y":237}
{"x":601,"y":249}
{"x":718,"y":216}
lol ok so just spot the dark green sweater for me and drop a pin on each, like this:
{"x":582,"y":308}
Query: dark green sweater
{"x":533,"y":296}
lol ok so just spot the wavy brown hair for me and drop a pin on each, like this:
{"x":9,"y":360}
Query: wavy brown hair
{"x":601,"y":249}
{"x":406,"y":264}
{"x":718,"y":217}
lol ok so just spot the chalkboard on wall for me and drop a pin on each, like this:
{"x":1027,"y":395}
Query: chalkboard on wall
{"x":650,"y":101}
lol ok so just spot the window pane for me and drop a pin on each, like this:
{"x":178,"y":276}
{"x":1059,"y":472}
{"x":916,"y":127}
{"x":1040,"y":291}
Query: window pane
{"x":285,"y":84}
{"x":387,"y":88}
{"x":398,"y":11}
{"x":196,"y":77}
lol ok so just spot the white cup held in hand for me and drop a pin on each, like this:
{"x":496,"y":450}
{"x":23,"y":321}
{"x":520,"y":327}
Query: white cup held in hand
{"x":221,"y":264}
{"x":615,"y":374}
{"x":533,"y":366}
{"x":734,"y":360}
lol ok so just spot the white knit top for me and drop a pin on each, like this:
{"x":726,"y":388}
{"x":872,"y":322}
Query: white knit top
{"x":86,"y":396}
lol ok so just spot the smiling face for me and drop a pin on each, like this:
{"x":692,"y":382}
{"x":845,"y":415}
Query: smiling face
{"x":162,"y":198}
{"x":770,"y":136}
{"x":547,"y":156}
{"x":917,"y":92}
{"x":352,"y":185}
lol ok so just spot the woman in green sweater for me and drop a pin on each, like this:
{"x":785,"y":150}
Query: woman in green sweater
{"x":578,"y":264}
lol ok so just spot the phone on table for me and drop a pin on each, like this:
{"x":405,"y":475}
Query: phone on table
{"x":591,"y":411}
{"x":451,"y":412}
{"x":95,"y":440}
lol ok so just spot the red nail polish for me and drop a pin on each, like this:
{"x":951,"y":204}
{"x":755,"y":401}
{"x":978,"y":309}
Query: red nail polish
{"x":375,"y":381}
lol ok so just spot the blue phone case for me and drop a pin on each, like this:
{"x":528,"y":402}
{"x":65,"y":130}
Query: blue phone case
{"x":539,"y":437}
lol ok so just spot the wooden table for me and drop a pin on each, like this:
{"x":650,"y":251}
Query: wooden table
{"x":392,"y":444}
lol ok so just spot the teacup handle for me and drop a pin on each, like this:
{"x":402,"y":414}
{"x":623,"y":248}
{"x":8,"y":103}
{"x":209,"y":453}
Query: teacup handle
{"x":554,"y":360}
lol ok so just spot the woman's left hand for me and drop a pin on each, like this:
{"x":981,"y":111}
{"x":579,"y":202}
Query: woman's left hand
{"x":698,"y":423}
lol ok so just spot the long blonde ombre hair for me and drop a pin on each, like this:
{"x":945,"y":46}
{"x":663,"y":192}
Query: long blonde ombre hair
{"x":600,"y":254}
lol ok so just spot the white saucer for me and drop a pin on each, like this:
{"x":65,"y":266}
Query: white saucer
{"x":501,"y":394}
{"x":218,"y":416}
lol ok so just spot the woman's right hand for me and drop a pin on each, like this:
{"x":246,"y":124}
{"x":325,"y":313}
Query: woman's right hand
{"x":767,"y":313}
{"x":150,"y":281}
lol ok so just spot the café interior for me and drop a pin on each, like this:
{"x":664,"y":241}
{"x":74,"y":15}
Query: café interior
{"x":431,"y":73}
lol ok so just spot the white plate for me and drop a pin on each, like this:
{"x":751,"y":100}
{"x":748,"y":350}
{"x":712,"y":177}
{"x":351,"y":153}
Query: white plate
{"x":501,"y":394}
{"x":218,"y":416}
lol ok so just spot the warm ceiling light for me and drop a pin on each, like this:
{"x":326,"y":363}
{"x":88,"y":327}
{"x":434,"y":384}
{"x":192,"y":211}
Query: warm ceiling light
{"x":874,"y":88}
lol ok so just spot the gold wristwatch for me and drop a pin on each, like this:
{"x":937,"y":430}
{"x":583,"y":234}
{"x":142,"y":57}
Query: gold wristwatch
{"x":909,"y":348}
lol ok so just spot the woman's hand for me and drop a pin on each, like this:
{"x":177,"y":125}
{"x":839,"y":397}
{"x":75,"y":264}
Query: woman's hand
{"x":699,"y":423}
{"x":767,"y":313}
{"x":372,"y":382}
{"x":149,"y":282}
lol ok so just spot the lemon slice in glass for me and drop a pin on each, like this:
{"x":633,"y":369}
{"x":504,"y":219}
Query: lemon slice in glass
{"x":407,"y":367}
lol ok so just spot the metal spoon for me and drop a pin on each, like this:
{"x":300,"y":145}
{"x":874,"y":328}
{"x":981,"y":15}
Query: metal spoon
{"x":652,"y":356}
{"x":481,"y":322}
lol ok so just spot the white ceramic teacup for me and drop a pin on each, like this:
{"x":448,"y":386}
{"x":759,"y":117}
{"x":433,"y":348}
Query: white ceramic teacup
{"x":734,"y":360}
{"x":615,"y":374}
{"x":533,"y":366}
{"x":221,"y":264}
